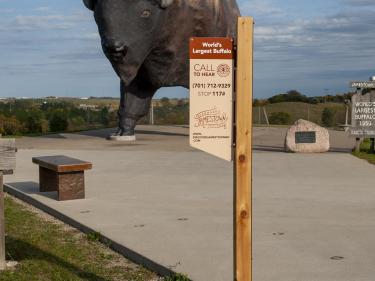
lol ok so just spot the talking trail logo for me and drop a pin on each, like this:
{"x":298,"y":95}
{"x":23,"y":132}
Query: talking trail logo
{"x":223,"y":70}
{"x":211,"y":118}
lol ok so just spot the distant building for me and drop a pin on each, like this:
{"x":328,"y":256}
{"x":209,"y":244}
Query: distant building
{"x":89,"y":106}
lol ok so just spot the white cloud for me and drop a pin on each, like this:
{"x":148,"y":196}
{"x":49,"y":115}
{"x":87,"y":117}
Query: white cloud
{"x":312,"y":53}
{"x":300,"y":51}
{"x":6,"y":11}
{"x":335,"y":34}
{"x":40,"y":22}
{"x":42,"y":9}
{"x":359,"y":2}
{"x":260,"y":8}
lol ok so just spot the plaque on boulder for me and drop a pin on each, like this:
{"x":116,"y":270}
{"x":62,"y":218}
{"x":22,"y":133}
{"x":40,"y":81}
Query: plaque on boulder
{"x":307,"y":137}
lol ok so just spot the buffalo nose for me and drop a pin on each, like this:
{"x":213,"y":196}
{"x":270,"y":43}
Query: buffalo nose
{"x":115,"y":47}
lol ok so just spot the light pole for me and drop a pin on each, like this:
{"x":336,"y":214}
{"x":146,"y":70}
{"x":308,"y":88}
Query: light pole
{"x":372,"y":146}
{"x":152,"y":122}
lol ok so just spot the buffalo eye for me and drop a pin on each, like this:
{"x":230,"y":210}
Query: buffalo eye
{"x":146,"y":14}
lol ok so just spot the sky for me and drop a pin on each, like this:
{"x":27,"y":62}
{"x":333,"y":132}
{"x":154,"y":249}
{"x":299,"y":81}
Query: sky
{"x":52,"y":48}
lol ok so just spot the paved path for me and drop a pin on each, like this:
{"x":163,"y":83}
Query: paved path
{"x":313,"y":214}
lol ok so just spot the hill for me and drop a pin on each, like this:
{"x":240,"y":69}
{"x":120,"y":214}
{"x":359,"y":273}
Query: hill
{"x":301,"y":110}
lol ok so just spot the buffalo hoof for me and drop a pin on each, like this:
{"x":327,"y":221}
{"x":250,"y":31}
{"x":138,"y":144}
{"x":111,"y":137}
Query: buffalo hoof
{"x":123,"y":138}
{"x":123,"y":135}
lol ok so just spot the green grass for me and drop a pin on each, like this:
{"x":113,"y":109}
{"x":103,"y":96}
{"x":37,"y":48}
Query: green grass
{"x":365,"y":153}
{"x":178,"y":277}
{"x":50,"y":251}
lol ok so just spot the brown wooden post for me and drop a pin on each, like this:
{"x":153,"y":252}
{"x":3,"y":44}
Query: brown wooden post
{"x":2,"y":225}
{"x":7,"y":165}
{"x":243,"y":152}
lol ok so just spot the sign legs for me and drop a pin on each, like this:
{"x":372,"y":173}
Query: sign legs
{"x":243,"y":153}
{"x":372,"y":146}
{"x":357,"y":147}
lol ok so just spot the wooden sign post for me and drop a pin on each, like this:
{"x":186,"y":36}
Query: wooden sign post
{"x":7,"y":165}
{"x":243,"y":152}
{"x":212,"y":119}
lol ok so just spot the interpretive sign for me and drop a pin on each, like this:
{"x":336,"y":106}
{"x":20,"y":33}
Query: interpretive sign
{"x":7,"y":165}
{"x":363,"y":85}
{"x":305,"y":137}
{"x":363,"y":115}
{"x":211,"y":96}
{"x":7,"y":155}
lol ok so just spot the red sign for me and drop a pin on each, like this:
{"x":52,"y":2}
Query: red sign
{"x":211,"y":48}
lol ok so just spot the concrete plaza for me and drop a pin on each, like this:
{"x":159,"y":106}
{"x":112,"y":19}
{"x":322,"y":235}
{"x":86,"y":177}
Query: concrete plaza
{"x":170,"y":206}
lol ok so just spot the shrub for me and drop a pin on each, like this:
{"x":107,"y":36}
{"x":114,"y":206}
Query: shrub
{"x":76,"y":123}
{"x":165,"y":102}
{"x":45,"y":126}
{"x":10,"y":126}
{"x":93,"y":236}
{"x":58,"y":123}
{"x":328,"y":117}
{"x":104,"y":116}
{"x":178,"y":277}
{"x":33,"y":124}
{"x":279,"y":118}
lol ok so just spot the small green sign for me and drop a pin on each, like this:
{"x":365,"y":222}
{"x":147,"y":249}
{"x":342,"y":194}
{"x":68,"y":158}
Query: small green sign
{"x":305,"y":137}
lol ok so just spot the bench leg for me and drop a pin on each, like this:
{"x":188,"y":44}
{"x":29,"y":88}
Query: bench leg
{"x":48,"y":180}
{"x":71,"y":186}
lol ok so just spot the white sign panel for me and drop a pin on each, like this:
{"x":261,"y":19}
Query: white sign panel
{"x":363,"y":85}
{"x":363,"y":115}
{"x":211,"y":96}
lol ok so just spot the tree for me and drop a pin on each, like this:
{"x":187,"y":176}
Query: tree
{"x":260,"y":102}
{"x":58,"y":123}
{"x":180,"y":103}
{"x":279,"y":118}
{"x":256,"y":102}
{"x":10,"y":126}
{"x":165,"y":102}
{"x":104,"y":116}
{"x":33,"y":124}
{"x":328,"y":117}
{"x":290,"y":96}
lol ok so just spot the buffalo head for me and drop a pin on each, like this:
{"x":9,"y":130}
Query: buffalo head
{"x":128,"y":29}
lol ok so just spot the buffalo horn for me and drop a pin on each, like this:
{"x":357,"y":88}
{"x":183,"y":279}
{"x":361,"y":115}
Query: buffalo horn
{"x":89,"y":4}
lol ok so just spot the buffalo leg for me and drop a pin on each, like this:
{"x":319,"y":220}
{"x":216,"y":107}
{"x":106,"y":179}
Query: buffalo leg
{"x":134,"y":104}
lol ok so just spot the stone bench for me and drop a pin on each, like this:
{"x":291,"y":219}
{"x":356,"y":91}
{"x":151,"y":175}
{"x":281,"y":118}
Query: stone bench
{"x":62,"y":174}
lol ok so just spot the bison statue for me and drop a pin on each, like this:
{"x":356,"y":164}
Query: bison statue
{"x":146,"y":41}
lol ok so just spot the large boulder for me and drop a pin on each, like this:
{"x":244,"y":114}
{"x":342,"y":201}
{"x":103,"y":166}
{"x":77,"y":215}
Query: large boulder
{"x":306,"y":137}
